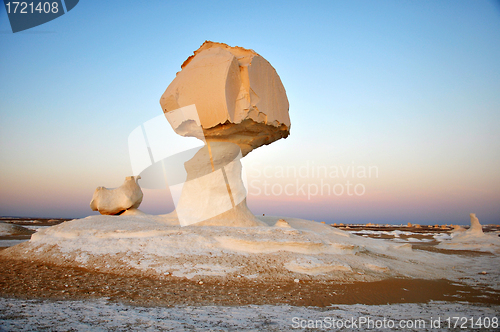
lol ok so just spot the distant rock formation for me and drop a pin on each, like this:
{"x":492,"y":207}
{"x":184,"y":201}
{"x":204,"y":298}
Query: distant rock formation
{"x":116,"y":201}
{"x":458,"y":228}
{"x":472,"y":239}
{"x":475,"y":226}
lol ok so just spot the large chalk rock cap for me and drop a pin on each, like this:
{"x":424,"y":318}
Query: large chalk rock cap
{"x":238,"y":95}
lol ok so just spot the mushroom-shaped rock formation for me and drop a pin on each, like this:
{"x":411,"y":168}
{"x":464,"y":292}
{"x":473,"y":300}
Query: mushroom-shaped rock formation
{"x":239,"y":104}
{"x":238,"y":95}
{"x":116,"y":201}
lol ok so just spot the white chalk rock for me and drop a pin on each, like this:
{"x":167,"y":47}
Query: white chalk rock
{"x":237,"y":93}
{"x":475,"y":225}
{"x":116,"y":201}
{"x":214,"y":194}
{"x":472,"y":239}
{"x":282,"y":223}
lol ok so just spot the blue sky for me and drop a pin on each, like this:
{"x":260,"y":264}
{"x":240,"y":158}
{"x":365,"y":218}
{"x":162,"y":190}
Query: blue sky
{"x":411,"y":87}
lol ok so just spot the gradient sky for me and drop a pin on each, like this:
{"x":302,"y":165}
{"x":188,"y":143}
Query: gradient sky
{"x":409,"y":87}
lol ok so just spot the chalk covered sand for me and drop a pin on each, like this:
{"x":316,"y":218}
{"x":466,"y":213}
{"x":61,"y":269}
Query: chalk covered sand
{"x":284,"y":249}
{"x":101,"y":315}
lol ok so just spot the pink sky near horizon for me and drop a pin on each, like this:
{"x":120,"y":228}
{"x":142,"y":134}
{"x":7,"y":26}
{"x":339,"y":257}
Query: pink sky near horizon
{"x":383,"y":201}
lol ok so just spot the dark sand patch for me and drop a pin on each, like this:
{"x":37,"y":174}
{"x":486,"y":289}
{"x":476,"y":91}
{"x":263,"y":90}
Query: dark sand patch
{"x":468,"y":253}
{"x":26,"y":279}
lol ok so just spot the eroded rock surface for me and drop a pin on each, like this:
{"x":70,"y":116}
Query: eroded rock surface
{"x":475,"y":225}
{"x":116,"y":201}
{"x":238,"y":95}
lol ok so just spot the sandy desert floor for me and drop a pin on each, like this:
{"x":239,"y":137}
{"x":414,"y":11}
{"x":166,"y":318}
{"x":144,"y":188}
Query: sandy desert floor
{"x":24,"y":279}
